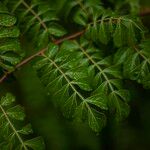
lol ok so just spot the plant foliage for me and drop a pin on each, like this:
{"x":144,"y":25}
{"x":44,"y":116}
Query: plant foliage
{"x":85,"y":74}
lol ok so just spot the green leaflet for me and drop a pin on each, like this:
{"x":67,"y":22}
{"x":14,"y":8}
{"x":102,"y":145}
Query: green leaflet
{"x":81,"y":18}
{"x":35,"y":144}
{"x":56,"y":30}
{"x":9,"y":32}
{"x":116,"y":105}
{"x":119,"y":34}
{"x":8,"y":45}
{"x":13,"y":136}
{"x":103,"y":37}
{"x":98,"y":100}
{"x":95,"y":119}
{"x":7,"y":20}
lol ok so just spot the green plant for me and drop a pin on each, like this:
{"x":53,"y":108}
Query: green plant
{"x":84,"y":51}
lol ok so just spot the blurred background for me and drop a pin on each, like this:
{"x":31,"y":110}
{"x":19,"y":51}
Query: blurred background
{"x":61,"y":134}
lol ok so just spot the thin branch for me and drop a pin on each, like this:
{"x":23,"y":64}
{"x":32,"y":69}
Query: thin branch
{"x":4,"y":77}
{"x":69,"y":37}
{"x":30,"y":58}
{"x":39,"y":53}
{"x":143,"y":12}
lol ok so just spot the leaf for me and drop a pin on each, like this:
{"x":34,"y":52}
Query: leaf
{"x":26,"y":130}
{"x":80,"y":17}
{"x":7,"y":100}
{"x":118,"y":35}
{"x":11,"y":58}
{"x":9,"y":32}
{"x":56,"y":30}
{"x":96,"y":120}
{"x":16,"y":112}
{"x":36,"y":143}
{"x":118,"y":107}
{"x":99,"y":101}
{"x":124,"y":94}
{"x":69,"y":106}
{"x":10,"y":45}
{"x":103,"y":33}
{"x":80,"y":114}
{"x":43,"y":39}
{"x":83,"y":84}
{"x":7,"y":20}
{"x":114,"y":71}
{"x":120,"y":56}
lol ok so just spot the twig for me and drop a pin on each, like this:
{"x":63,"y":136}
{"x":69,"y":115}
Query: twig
{"x":39,"y":53}
{"x":143,"y":12}
{"x":69,"y":37}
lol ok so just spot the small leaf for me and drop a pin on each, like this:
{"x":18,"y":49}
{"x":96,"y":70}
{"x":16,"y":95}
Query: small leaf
{"x":69,"y":106}
{"x":80,"y":18}
{"x":9,"y":45}
{"x":11,"y":58}
{"x":7,"y":20}
{"x":119,"y":35}
{"x":26,"y":130}
{"x":120,"y":56}
{"x":83,"y":84}
{"x":98,"y":100}
{"x":9,"y":32}
{"x":7,"y":100}
{"x":36,"y":143}
{"x":118,"y":108}
{"x":103,"y":33}
{"x":56,"y":30}
{"x":16,"y":112}
{"x":96,"y":120}
{"x":114,"y":71}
